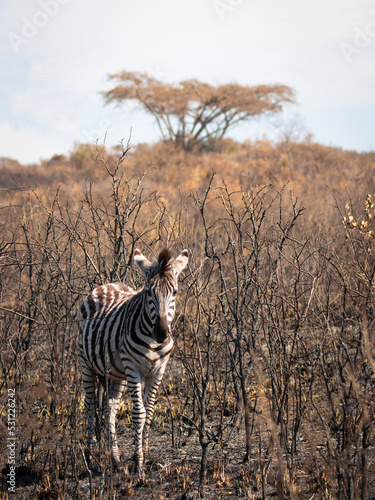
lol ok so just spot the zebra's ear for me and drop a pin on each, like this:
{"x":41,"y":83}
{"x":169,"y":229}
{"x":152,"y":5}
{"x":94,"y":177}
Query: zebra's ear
{"x":181,"y":261}
{"x":141,"y":261}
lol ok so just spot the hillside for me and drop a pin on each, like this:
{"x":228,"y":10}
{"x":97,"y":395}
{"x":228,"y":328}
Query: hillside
{"x":313,"y":172}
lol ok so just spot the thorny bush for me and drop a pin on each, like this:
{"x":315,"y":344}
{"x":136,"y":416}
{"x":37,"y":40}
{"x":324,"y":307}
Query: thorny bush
{"x":273,"y":368}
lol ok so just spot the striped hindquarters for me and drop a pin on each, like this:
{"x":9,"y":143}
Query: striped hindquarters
{"x":101,"y":324}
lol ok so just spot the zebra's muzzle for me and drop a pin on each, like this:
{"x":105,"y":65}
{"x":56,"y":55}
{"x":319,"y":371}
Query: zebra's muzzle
{"x":161,"y":329}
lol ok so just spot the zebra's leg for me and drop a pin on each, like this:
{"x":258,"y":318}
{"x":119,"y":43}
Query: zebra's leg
{"x":115,"y":392}
{"x":151,"y":387}
{"x":89,"y":385}
{"x":100,"y":410}
{"x":139,"y":419}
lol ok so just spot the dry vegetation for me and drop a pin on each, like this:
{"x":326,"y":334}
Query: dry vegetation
{"x":270,"y":388}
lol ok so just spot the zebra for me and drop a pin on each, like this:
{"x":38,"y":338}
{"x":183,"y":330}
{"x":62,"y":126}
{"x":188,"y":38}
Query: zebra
{"x":125,"y":338}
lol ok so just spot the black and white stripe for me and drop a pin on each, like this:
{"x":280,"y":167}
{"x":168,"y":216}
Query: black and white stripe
{"x":125,"y":337}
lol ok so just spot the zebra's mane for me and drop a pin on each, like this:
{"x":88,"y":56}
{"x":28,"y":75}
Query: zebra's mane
{"x":164,"y":258}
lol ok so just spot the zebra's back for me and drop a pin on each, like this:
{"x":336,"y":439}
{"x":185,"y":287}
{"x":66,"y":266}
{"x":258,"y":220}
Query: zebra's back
{"x":104,"y":299}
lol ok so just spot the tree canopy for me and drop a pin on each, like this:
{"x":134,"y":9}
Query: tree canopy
{"x":192,"y":112}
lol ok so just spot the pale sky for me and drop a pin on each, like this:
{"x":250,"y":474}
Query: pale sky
{"x":56,"y":55}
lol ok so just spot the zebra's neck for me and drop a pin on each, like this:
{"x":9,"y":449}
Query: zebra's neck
{"x":145,"y":317}
{"x":139,"y":322}
{"x":139,"y":331}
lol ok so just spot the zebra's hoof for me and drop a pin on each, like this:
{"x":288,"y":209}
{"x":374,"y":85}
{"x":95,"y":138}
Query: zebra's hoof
{"x":141,"y":479}
{"x":121,"y":468}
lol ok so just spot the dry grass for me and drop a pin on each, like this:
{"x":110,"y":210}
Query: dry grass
{"x":269,"y":391}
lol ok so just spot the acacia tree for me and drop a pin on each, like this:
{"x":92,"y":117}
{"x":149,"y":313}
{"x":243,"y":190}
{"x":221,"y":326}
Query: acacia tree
{"x":191,"y":112}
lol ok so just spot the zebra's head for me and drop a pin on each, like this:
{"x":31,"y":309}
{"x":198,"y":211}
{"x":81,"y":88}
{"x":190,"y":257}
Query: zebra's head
{"x":161,"y":288}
